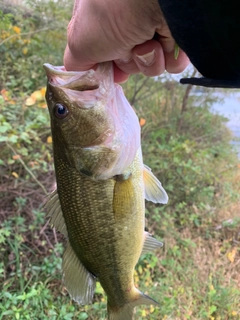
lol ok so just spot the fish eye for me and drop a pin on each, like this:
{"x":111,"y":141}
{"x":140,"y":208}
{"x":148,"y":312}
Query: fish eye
{"x":60,"y":110}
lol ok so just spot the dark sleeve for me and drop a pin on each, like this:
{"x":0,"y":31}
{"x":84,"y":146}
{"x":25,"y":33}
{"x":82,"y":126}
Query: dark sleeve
{"x":209,"y":32}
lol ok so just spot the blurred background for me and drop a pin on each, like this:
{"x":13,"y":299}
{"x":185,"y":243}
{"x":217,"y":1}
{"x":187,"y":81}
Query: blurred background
{"x":190,"y":139}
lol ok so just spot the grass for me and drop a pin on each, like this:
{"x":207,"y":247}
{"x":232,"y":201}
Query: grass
{"x":195,"y":276}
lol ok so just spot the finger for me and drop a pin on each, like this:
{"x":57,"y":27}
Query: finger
{"x":172,"y":64}
{"x":176,"y":65}
{"x":119,"y":75}
{"x":127,"y":65}
{"x":71,"y":63}
{"x":149,"y":58}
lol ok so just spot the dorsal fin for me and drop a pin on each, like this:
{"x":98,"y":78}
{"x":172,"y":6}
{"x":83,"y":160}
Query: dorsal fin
{"x":54,"y":212}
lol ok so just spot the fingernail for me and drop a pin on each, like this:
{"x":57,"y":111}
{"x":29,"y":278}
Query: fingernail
{"x":147,"y":59}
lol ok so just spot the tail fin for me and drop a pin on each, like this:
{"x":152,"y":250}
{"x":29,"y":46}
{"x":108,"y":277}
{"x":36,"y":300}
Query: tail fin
{"x":126,"y":312}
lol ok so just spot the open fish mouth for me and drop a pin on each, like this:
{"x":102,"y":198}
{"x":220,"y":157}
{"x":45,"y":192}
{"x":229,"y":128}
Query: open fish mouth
{"x":76,"y":80}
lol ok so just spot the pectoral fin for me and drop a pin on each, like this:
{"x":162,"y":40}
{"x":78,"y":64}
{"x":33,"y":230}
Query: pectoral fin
{"x":150,"y":243}
{"x":54,"y":212}
{"x":153,"y":188}
{"x":79,"y":282}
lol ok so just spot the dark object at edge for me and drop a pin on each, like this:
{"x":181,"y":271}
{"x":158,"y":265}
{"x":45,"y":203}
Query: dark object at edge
{"x":208,"y":31}
{"x":213,"y":83}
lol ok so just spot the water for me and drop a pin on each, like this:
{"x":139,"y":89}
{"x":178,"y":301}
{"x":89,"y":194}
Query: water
{"x":230,"y":108}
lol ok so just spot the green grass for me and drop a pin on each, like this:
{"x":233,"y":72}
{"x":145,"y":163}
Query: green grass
{"x":195,"y":275}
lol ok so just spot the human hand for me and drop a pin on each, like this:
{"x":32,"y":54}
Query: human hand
{"x":121,"y":31}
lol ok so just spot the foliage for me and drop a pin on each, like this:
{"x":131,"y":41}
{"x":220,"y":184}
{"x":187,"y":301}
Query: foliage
{"x":188,"y":150}
{"x":30,"y":36}
{"x":196,"y":274}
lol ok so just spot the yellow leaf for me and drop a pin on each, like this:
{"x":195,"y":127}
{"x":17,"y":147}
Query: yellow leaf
{"x":142,"y":122}
{"x":231,"y":255}
{"x":211,"y":287}
{"x":234,"y":313}
{"x":16,"y":29}
{"x":152,"y":309}
{"x":140,"y":269}
{"x":43,"y":91}
{"x":49,"y":139}
{"x":25,"y":50}
{"x":15,"y":174}
{"x":30,"y":101}
{"x":4,"y":34}
{"x":26,"y":41}
{"x":37,"y":95}
{"x":143,"y":313}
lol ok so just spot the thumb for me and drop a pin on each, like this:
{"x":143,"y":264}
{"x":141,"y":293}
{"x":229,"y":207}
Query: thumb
{"x":71,"y":62}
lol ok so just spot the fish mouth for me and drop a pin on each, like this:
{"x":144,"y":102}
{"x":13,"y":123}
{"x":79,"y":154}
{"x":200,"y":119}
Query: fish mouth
{"x":88,"y":80}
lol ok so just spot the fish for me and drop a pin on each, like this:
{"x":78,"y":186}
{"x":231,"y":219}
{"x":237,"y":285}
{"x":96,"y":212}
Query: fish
{"x":102,"y":184}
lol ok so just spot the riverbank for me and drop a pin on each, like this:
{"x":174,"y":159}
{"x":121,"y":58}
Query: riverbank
{"x":229,"y":107}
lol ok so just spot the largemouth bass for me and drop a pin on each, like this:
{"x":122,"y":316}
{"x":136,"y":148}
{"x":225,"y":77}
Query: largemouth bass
{"x":99,"y":204}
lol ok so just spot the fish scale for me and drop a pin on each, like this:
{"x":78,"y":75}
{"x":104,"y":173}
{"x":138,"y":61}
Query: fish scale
{"x":110,"y":250}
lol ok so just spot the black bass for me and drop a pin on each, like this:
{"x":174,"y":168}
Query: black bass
{"x":102,"y":184}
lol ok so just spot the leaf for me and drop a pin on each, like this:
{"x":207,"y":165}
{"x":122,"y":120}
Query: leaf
{"x":16,"y":29}
{"x":231,"y":255}
{"x":142,"y":122}
{"x":5,"y":126}
{"x":25,"y":50}
{"x":16,"y":156}
{"x":13,"y":138}
{"x":30,"y":101}
{"x":212,"y":309}
{"x":176,"y":51}
{"x":43,"y":91}
{"x":49,"y":139}
{"x":83,"y":316}
{"x":15,"y":174}
{"x":37,"y":95}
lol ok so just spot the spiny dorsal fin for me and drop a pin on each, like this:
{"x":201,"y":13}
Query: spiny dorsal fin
{"x":153,"y":188}
{"x":150,"y":243}
{"x":54,"y":212}
{"x":79,"y":282}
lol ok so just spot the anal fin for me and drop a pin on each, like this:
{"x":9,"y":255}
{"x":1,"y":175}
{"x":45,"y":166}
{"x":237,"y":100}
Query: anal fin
{"x":150,"y":243}
{"x":80,"y":283}
{"x":153,"y":188}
